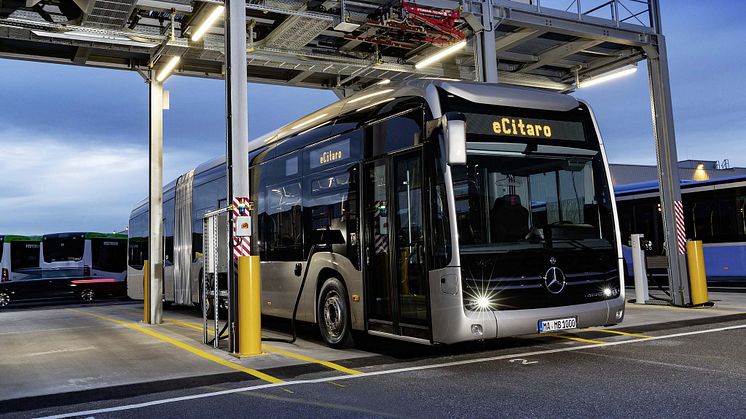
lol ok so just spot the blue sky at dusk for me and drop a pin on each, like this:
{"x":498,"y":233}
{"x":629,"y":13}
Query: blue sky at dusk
{"x":74,"y":140}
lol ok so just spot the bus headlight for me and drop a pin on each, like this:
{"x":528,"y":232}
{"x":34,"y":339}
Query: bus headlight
{"x":483,"y":303}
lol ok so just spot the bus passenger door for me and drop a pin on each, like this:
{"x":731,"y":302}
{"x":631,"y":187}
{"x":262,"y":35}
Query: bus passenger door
{"x":395,"y":273}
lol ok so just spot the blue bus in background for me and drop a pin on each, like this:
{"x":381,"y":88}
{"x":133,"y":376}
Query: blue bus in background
{"x":714,"y":212}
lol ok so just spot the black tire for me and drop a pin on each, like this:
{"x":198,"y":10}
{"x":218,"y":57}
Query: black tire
{"x":87,"y":295}
{"x":210,"y":308}
{"x":334,"y":314}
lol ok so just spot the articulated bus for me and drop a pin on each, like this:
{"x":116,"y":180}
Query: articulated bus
{"x":714,"y":212}
{"x":467,"y":211}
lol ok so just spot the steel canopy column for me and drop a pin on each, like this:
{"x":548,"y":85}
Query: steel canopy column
{"x":668,"y":168}
{"x":237,"y":114}
{"x":155,"y":243}
{"x":485,"y":53}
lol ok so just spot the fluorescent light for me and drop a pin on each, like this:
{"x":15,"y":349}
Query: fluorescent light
{"x":440,"y":54}
{"x":380,"y":102}
{"x":383,"y":82}
{"x":370,"y":95}
{"x":214,"y":15}
{"x":167,"y":69}
{"x":608,"y":76}
{"x":310,"y":121}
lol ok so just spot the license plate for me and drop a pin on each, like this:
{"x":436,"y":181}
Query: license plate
{"x":546,"y":326}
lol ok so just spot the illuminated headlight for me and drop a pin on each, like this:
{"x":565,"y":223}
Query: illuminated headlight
{"x":483,"y":303}
{"x":607,"y":292}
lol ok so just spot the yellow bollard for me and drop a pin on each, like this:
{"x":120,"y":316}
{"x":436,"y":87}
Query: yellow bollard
{"x":145,"y":293}
{"x":249,"y":307}
{"x":697,"y":276}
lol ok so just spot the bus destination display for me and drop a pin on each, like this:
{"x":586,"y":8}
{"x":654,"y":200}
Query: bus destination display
{"x":513,"y":126}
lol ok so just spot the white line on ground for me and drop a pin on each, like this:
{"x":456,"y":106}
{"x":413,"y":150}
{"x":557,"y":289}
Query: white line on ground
{"x":57,"y":351}
{"x":384,"y":372}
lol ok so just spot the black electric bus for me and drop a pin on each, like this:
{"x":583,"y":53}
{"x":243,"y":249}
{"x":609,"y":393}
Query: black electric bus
{"x":468,"y":211}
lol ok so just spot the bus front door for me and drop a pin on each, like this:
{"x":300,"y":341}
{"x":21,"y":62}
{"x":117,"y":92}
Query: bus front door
{"x":395,"y":274}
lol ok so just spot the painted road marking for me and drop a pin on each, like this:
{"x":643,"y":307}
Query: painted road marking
{"x":698,"y":310}
{"x":619,"y":332}
{"x":387,"y":372}
{"x":327,"y":364}
{"x":189,"y":348}
{"x":577,"y":339}
{"x":730,"y":306}
{"x":279,"y":351}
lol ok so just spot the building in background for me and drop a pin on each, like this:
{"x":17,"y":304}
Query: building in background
{"x":625,"y":174}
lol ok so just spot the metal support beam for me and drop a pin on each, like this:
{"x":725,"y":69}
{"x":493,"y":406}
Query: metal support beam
{"x":561,"y":51}
{"x":237,"y":115}
{"x":301,"y":76}
{"x":516,"y":38}
{"x":81,"y":55}
{"x":484,"y":46}
{"x":155,"y":243}
{"x":668,"y":174}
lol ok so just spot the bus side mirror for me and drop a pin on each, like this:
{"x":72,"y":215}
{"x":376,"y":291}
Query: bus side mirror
{"x":454,"y":128}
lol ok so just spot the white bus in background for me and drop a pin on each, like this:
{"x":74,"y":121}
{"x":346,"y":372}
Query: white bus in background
{"x":19,"y":258}
{"x":84,"y":255}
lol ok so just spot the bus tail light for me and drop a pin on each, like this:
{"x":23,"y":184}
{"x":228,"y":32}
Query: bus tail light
{"x":5,"y":277}
{"x":86,"y":270}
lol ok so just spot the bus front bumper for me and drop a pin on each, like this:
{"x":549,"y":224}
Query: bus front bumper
{"x":464,"y":325}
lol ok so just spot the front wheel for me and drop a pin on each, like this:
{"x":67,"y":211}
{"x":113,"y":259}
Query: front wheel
{"x":334,"y":314}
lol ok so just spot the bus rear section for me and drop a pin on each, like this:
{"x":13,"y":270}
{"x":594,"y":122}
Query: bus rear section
{"x":63,"y":255}
{"x":108,"y":256}
{"x":19,"y":268}
{"x":24,"y":257}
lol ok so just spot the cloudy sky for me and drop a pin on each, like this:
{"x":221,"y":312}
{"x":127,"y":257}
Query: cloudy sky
{"x":73,"y":140}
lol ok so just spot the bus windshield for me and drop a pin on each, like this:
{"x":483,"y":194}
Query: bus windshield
{"x":66,"y":248}
{"x":521,"y":202}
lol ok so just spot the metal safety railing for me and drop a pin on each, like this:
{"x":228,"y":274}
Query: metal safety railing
{"x":636,"y":12}
{"x":216,"y":261}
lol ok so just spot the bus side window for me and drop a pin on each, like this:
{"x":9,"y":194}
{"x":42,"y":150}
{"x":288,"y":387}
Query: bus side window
{"x":394,"y":134}
{"x":168,"y":231}
{"x":138,"y":241}
{"x":280,"y":213}
{"x":330,"y":201}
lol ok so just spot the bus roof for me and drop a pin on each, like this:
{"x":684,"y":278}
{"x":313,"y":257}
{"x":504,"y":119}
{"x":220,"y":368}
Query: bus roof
{"x":17,"y":238}
{"x":488,"y":94}
{"x":652,"y":185}
{"x":87,"y":235}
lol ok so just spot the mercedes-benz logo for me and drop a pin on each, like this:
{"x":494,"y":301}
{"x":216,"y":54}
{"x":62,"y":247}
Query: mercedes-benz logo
{"x":554,"y":280}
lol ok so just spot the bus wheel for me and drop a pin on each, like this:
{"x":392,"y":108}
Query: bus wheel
{"x":334,"y":314}
{"x":4,"y":299}
{"x":87,"y":294}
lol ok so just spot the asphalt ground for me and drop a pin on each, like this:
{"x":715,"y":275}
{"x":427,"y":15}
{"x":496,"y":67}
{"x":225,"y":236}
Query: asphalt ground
{"x":687,"y":364}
